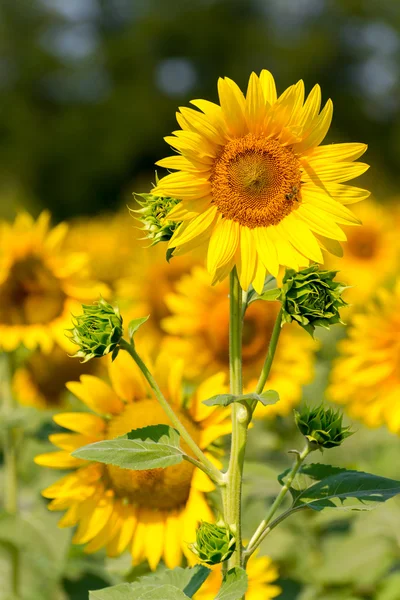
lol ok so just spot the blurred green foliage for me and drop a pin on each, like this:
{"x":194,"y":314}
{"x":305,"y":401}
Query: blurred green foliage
{"x":90,"y":87}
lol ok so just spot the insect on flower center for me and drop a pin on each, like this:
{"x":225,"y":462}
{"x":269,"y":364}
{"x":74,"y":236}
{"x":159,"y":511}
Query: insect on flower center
{"x":256,"y":181}
{"x":30,"y":294}
{"x":163,"y":489}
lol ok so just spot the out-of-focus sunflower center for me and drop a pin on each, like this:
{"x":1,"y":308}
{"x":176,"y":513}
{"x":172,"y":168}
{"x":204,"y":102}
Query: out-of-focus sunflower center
{"x":30,"y":294}
{"x":163,"y":489}
{"x":256,"y":181}
{"x":363,"y":243}
{"x":257,"y":329}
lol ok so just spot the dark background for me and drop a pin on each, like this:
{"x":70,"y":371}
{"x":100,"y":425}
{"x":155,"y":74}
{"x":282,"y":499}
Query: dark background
{"x":89,"y":88}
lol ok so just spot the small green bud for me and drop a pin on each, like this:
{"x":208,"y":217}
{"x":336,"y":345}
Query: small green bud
{"x":214,"y":543}
{"x":311,"y":298}
{"x":322,"y":426}
{"x":153,"y":216}
{"x":98,"y":331}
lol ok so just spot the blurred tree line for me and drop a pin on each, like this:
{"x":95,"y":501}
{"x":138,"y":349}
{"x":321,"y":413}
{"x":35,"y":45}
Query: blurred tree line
{"x":88,"y":88}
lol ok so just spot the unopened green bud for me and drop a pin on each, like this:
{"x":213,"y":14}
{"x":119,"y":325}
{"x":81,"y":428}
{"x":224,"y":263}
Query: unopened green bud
{"x":153,"y":215}
{"x":97,"y":331}
{"x":311,"y":298}
{"x":323,"y":427}
{"x":214,"y":543}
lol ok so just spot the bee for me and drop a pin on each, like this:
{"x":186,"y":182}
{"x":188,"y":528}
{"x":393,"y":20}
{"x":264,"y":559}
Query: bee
{"x":293,"y":194}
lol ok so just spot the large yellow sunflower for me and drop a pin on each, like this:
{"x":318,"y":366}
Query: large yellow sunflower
{"x":154,"y":513}
{"x":199,"y":330}
{"x":255,"y":186}
{"x":40,"y":284}
{"x":371,"y":252}
{"x":366,"y":376}
{"x":261,"y":573}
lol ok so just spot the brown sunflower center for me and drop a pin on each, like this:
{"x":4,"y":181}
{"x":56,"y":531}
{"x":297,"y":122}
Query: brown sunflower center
{"x":363,"y":244}
{"x":30,"y":294}
{"x":257,"y":328}
{"x":256,"y":181}
{"x":164,"y":489}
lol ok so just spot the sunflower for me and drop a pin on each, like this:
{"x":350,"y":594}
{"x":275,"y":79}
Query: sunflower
{"x":261,"y":573}
{"x":40,"y":380}
{"x":117,"y":238}
{"x":366,"y":376}
{"x":198,"y":328}
{"x":371,"y":252}
{"x":143,"y":289}
{"x":40,"y":284}
{"x":155,"y":513}
{"x":255,"y":187}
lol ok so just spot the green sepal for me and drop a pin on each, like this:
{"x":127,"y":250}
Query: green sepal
{"x":134,"y":326}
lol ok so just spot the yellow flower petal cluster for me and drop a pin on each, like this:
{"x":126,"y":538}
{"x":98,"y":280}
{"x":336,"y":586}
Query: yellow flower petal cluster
{"x":256,"y":188}
{"x":198,"y":329}
{"x":371,"y":252}
{"x":40,"y":283}
{"x":153,"y":513}
{"x":261,"y":573}
{"x":366,"y":376}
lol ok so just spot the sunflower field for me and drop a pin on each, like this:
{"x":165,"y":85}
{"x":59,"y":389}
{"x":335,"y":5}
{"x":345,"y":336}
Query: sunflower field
{"x":199,"y":300}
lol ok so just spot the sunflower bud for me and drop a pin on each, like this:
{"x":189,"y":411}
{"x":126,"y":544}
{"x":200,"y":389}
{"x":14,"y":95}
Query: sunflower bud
{"x":153,"y":216}
{"x":312,"y":298}
{"x":98,"y":331}
{"x":322,"y":427}
{"x":214,"y":543}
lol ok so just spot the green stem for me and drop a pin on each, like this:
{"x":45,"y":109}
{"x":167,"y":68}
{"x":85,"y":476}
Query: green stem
{"x":203,"y":462}
{"x":261,"y":531}
{"x":240,"y":421}
{"x":10,"y":464}
{"x":270,"y":354}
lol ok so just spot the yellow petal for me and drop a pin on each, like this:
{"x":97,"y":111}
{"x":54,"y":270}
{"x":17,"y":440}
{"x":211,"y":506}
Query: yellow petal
{"x":95,"y":514}
{"x":320,"y":222}
{"x":255,"y":104}
{"x":154,"y":543}
{"x":346,"y":194}
{"x":266,"y":250}
{"x":123,"y":536}
{"x":126,"y":378}
{"x":316,"y":196}
{"x":96,"y":394}
{"x":173,"y":543}
{"x":189,"y":209}
{"x":333,"y":172}
{"x":336,"y":152}
{"x":58,"y":460}
{"x":184,"y":186}
{"x":318,"y":129}
{"x":233,"y":106}
{"x":72,"y":441}
{"x":268,"y":86}
{"x":310,"y":110}
{"x":192,"y":229}
{"x":223,"y":243}
{"x":201,"y":124}
{"x":81,"y":422}
{"x":300,"y":236}
{"x":259,"y":277}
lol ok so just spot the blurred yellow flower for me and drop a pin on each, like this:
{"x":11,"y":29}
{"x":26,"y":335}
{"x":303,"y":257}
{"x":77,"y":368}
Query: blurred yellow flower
{"x":371,"y":252}
{"x":154,"y":513}
{"x":40,"y":284}
{"x":40,"y":380}
{"x":199,"y":330}
{"x":261,"y":573}
{"x":366,"y":376}
{"x":111,"y":242}
{"x":144,"y":288}
{"x":256,"y":188}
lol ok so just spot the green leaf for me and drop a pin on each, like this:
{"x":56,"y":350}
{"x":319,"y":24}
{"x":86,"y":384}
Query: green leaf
{"x":266,"y":398}
{"x":134,"y":326}
{"x":234,"y":585}
{"x":333,"y":491}
{"x":152,"y":447}
{"x":138,"y":591}
{"x":269,"y":295}
{"x":188,"y":580}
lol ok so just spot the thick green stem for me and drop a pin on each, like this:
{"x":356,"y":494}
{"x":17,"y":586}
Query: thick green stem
{"x":240,"y":421}
{"x":203,"y":462}
{"x":264,"y":528}
{"x":10,"y":463}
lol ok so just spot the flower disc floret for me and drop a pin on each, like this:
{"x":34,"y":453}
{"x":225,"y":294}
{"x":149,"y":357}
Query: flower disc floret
{"x":323,"y":427}
{"x":97,"y":331}
{"x":312,"y":298}
{"x":214,"y":544}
